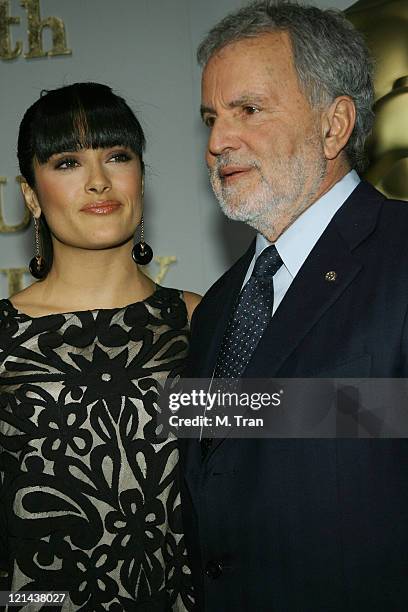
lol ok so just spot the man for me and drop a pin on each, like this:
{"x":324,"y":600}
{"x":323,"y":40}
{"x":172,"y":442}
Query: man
{"x":292,"y":525}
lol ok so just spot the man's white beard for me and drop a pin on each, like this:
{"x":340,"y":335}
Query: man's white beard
{"x":271,"y":204}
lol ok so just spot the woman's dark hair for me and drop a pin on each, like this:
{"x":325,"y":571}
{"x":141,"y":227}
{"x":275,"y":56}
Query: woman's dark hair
{"x":78,"y":116}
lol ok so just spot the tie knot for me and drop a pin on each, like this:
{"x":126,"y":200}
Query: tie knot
{"x":267,"y":263}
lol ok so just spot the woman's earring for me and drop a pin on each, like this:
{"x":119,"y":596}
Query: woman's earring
{"x":142,"y":253}
{"x":37,"y":266}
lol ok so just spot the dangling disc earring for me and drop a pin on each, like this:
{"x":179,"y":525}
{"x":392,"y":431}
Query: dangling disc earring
{"x":38,"y":265}
{"x":142,"y":253}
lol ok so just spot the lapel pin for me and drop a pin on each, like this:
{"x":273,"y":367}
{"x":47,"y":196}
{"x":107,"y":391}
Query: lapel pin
{"x":330,"y":276}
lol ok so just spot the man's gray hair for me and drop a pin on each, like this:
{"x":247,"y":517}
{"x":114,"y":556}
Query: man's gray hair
{"x":331,"y":58}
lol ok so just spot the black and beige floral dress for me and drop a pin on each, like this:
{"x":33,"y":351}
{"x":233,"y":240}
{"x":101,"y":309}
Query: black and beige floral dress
{"x":89,"y":493}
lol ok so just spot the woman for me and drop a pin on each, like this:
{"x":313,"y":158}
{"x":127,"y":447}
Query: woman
{"x":90,"y":498}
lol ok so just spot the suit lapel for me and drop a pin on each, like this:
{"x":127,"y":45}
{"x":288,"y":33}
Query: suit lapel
{"x":313,"y":291}
{"x":215,"y":315}
{"x":311,"y":294}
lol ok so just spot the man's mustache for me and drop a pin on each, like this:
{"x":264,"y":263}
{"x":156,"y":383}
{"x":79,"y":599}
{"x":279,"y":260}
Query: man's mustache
{"x":226,"y":160}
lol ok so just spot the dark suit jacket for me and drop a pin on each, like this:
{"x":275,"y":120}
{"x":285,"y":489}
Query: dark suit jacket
{"x":310,"y":525}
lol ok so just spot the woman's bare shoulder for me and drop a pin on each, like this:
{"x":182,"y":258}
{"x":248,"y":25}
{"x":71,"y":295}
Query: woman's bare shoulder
{"x":192,"y":300}
{"x":29,"y":300}
{"x":24,"y":297}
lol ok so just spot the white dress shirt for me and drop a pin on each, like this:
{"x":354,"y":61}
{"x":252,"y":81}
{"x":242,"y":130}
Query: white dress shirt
{"x":295,"y":244}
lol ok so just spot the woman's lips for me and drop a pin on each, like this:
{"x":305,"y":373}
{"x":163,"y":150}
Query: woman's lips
{"x":101,"y":208}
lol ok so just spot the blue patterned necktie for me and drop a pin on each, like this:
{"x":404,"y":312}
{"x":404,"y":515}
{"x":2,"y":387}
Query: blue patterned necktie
{"x":251,"y":315}
{"x":249,"y":319}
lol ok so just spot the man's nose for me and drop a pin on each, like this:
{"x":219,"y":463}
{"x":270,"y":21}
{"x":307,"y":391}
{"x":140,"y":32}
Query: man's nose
{"x":98,"y":179}
{"x":224,"y":136}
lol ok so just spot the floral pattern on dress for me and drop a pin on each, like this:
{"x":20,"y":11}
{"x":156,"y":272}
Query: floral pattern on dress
{"x":90,"y":492}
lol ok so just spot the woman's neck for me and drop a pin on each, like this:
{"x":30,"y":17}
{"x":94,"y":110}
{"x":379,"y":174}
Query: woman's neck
{"x":86,"y":280}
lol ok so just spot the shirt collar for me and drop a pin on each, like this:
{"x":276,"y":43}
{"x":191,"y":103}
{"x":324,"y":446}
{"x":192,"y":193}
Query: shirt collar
{"x":295,"y":244}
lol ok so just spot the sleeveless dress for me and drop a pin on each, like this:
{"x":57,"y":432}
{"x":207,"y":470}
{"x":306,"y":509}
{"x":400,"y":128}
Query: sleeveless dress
{"x":89,"y":493}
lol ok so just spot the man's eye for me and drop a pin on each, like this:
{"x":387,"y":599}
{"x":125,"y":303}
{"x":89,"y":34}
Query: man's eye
{"x":209,"y":121}
{"x":66,"y":163}
{"x":251,"y":110}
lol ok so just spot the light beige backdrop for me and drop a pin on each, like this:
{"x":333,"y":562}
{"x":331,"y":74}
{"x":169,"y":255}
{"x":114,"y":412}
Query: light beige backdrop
{"x":145,"y":50}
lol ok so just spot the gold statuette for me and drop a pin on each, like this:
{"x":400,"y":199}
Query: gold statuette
{"x":385,"y":26}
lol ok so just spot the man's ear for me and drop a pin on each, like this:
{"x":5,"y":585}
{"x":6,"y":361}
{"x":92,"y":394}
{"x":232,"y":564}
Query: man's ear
{"x":31,"y":200}
{"x":337,"y":124}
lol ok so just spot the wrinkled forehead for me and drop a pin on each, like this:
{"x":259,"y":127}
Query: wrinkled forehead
{"x":272,"y":46}
{"x":263,"y":62}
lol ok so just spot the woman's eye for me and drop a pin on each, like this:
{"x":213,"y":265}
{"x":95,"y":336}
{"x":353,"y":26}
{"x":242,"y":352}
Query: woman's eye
{"x":120,"y":157}
{"x":66,"y":163}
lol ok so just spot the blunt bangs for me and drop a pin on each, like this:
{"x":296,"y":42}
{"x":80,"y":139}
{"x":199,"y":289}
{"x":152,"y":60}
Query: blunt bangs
{"x":79,"y":116}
